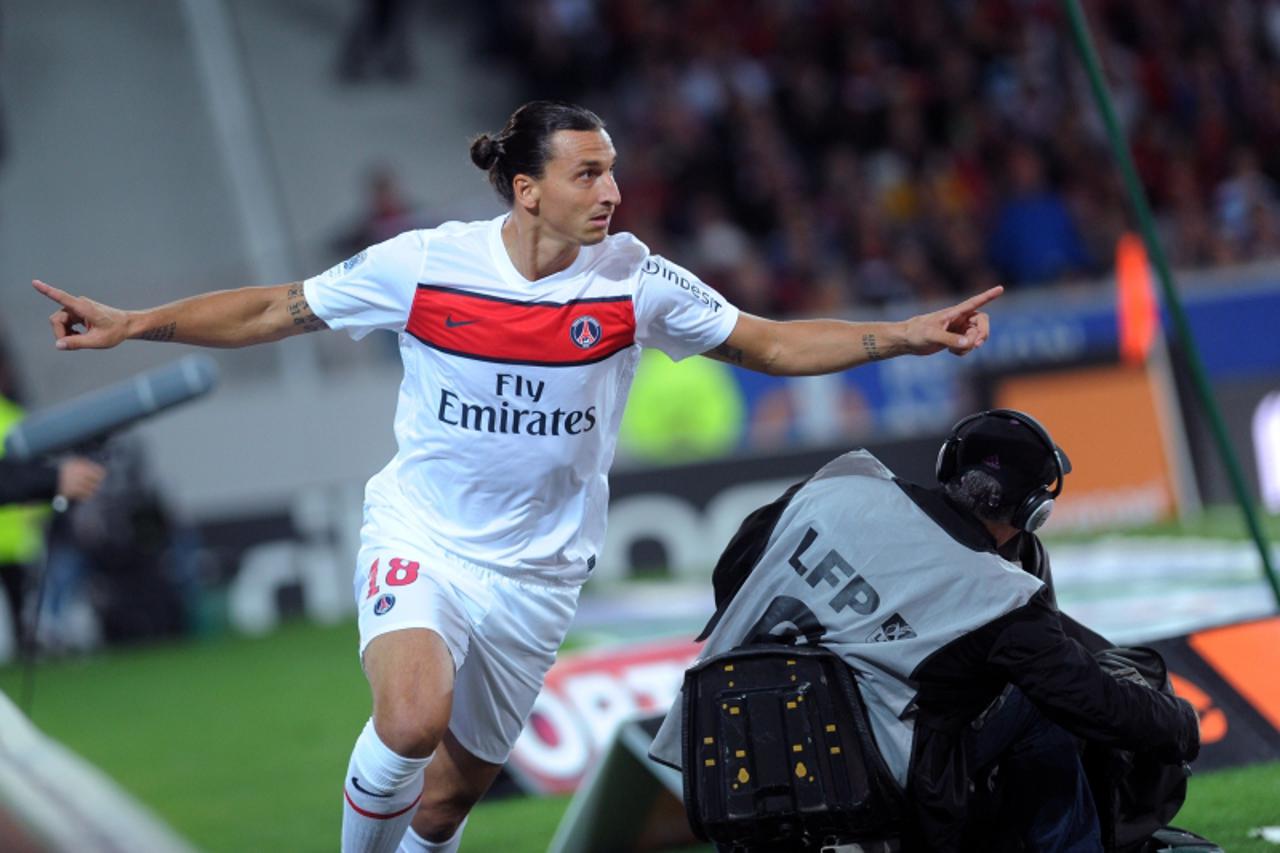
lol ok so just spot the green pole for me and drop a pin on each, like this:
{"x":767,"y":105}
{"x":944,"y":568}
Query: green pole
{"x":1181,"y":328}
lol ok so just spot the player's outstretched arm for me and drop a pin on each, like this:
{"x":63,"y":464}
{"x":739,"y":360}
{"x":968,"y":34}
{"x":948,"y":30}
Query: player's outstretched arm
{"x":225,"y":318}
{"x":810,"y":347}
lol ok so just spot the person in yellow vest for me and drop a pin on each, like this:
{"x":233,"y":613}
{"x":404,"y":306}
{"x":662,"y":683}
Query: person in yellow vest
{"x":21,"y":529}
{"x":682,"y":413}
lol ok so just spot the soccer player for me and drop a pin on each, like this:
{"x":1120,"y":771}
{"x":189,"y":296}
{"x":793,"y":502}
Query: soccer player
{"x":519,"y":337}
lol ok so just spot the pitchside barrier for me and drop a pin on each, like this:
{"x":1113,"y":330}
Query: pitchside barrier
{"x":1231,"y":674}
{"x":52,"y":801}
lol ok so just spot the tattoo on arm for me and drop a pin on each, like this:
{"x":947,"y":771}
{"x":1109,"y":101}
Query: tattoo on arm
{"x":301,"y":312}
{"x":159,"y":333}
{"x":869,"y":345}
{"x":727,"y":353}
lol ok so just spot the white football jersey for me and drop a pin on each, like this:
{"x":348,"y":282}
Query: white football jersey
{"x":513,"y":389}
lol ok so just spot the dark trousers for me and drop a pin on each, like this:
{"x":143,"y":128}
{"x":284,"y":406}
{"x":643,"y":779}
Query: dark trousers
{"x":15,"y":579}
{"x":1045,"y":799}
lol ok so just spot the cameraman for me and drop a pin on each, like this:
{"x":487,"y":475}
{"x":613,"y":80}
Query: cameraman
{"x":21,"y":534}
{"x":75,"y":479}
{"x":937,"y":599}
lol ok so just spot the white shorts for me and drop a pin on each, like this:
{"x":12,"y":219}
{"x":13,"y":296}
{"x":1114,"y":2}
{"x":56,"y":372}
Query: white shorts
{"x":502,"y":633}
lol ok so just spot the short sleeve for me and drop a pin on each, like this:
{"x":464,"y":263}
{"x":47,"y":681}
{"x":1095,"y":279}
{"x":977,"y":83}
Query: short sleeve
{"x":371,"y":290}
{"x":677,"y":312}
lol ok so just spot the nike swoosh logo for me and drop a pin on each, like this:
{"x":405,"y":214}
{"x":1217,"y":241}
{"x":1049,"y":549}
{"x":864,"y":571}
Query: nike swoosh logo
{"x":356,"y":784}
{"x":453,"y":324}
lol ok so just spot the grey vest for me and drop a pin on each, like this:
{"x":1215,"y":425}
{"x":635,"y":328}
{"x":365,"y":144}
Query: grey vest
{"x":854,"y":565}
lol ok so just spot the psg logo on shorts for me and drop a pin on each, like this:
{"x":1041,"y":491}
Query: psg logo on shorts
{"x":384,"y":604}
{"x":585,"y":332}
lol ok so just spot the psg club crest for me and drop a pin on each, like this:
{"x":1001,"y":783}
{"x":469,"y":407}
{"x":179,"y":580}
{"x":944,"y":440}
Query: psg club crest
{"x":384,"y":604}
{"x":585,"y":332}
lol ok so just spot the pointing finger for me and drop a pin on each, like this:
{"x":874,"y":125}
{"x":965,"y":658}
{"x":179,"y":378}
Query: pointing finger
{"x":973,"y":303}
{"x":60,"y":296}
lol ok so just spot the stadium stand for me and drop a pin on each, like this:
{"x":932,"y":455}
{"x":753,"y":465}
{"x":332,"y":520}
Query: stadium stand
{"x":866,"y":152}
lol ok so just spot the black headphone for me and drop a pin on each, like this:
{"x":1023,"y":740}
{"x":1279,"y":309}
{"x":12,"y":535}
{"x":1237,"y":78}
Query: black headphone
{"x":1034,"y":510}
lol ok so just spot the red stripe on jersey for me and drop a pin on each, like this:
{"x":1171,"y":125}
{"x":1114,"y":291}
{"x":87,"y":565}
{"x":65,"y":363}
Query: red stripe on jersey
{"x":553,"y":334}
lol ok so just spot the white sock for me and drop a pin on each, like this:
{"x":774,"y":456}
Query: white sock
{"x":415,"y":843}
{"x":381,"y":794}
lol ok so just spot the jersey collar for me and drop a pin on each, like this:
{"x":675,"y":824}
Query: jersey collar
{"x":513,"y":276}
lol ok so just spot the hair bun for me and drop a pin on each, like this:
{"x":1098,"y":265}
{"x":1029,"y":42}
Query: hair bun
{"x":485,"y":151}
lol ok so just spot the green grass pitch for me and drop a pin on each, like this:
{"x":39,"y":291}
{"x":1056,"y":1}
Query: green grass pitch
{"x":241,"y":744}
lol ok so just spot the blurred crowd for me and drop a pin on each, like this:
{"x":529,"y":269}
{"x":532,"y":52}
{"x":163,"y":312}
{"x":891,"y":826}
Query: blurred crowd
{"x":809,"y":157}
